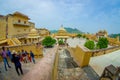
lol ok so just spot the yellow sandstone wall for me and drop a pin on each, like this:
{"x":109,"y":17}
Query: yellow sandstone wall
{"x":112,"y":41}
{"x":83,"y":57}
{"x":104,"y":51}
{"x":2,"y":28}
{"x":17,"y":29}
{"x":80,"y":56}
{"x":37,"y":50}
{"x":55,"y":66}
{"x":14,"y":26}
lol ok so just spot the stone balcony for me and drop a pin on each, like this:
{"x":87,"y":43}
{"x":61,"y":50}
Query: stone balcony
{"x":24,"y":35}
{"x":21,"y":24}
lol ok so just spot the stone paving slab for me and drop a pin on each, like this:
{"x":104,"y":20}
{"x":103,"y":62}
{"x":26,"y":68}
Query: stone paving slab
{"x":91,"y":73}
{"x":43,"y":69}
{"x":11,"y":74}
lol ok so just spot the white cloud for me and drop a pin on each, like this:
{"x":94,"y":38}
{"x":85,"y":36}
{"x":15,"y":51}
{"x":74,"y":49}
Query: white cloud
{"x":72,"y":13}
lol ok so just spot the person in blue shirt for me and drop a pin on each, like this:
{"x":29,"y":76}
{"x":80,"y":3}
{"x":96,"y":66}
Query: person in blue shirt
{"x":32,"y":56}
{"x":4,"y":56}
{"x":9,"y":53}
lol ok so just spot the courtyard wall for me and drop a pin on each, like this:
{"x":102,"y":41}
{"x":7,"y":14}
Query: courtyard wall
{"x":37,"y":50}
{"x":82,"y":57}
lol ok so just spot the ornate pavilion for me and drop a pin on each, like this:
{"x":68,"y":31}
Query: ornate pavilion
{"x":63,"y":34}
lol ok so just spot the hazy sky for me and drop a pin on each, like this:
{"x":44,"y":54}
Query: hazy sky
{"x":85,"y":15}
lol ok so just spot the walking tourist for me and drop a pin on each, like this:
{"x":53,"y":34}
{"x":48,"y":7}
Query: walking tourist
{"x":32,"y":56}
{"x":29,"y":57}
{"x":24,"y":56}
{"x":4,"y":56}
{"x":16,"y":61}
{"x":20,"y":55}
{"x":9,"y":53}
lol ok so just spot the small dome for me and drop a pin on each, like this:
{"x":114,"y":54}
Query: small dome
{"x":100,"y":31}
{"x":33,"y":30}
{"x":105,"y":31}
{"x":62,"y":29}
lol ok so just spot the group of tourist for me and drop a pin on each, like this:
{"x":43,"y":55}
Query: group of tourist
{"x":26,"y":57}
{"x":16,"y":58}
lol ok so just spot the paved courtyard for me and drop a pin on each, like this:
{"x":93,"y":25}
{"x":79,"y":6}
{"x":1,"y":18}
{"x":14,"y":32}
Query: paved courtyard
{"x":43,"y":69}
{"x":11,"y":74}
{"x":73,"y":42}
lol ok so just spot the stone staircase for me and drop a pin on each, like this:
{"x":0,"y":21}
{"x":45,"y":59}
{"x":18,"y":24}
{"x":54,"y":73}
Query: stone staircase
{"x":10,"y":42}
{"x":16,"y":41}
{"x":13,"y":42}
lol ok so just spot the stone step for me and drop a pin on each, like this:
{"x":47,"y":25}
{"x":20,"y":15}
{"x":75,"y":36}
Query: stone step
{"x":74,"y":64}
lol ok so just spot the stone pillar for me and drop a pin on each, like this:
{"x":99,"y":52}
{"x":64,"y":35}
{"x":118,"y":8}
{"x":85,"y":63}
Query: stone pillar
{"x":37,"y":39}
{"x":27,"y":41}
{"x":30,"y":40}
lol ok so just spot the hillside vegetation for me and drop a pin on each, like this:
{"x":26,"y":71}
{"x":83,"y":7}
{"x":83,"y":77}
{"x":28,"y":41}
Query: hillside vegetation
{"x":70,"y":30}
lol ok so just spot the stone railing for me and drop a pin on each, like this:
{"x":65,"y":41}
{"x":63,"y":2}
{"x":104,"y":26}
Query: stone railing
{"x":16,"y":41}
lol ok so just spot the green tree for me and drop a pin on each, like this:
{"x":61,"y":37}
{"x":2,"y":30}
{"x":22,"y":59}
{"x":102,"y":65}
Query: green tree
{"x":89,"y":44}
{"x":84,"y":36}
{"x":48,"y":41}
{"x":61,"y":42}
{"x":102,"y":43}
{"x":87,"y":38}
{"x":79,"y":35}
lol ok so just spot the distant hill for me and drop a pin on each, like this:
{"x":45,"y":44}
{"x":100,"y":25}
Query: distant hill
{"x":114,"y":35}
{"x":53,"y":31}
{"x":70,"y":30}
